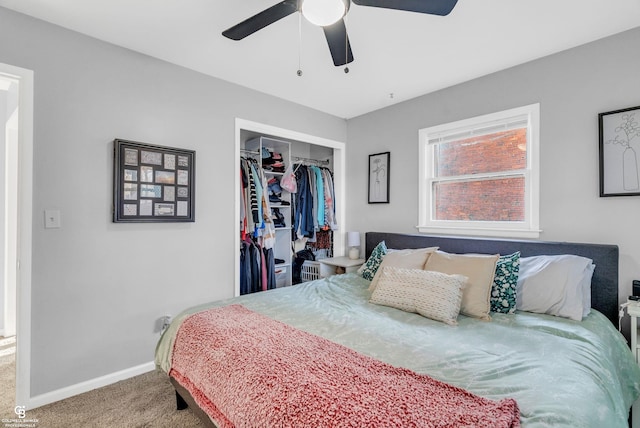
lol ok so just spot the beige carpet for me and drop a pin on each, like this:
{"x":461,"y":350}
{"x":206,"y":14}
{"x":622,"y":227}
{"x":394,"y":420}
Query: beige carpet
{"x":147,"y":400}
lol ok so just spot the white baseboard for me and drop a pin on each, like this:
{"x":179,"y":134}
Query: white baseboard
{"x":79,"y":388}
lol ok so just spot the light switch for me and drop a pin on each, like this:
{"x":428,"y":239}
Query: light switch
{"x":52,"y":219}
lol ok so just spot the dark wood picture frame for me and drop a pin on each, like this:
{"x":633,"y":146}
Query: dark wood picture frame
{"x":619,"y":138}
{"x":153,"y":183}
{"x":378,"y":183}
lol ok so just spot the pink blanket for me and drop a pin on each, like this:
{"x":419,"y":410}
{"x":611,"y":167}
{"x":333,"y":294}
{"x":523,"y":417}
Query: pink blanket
{"x":246,"y":370}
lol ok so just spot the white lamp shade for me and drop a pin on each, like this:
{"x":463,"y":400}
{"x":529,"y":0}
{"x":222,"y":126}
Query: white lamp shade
{"x":353,"y":239}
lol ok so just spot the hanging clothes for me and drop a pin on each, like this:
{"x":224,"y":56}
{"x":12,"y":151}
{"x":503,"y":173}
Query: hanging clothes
{"x":256,"y":271}
{"x":245,"y":268}
{"x":312,"y":215}
{"x":329,"y":200}
{"x":271,"y":273}
{"x":243,"y":211}
{"x":303,"y":220}
{"x":253,"y":195}
{"x":319,"y":196}
{"x":268,"y":229}
{"x":250,"y":214}
{"x":257,"y":230}
{"x":315,"y":206}
{"x":256,"y":210}
{"x":257,"y":267}
{"x":324,"y":240}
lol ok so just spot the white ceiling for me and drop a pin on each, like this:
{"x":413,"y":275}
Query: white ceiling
{"x":398,"y":55}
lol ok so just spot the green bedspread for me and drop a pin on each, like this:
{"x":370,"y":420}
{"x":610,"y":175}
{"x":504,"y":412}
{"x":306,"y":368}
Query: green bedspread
{"x":562,"y":373}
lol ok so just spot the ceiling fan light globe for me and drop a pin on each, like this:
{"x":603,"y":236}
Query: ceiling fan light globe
{"x":323,"y":12}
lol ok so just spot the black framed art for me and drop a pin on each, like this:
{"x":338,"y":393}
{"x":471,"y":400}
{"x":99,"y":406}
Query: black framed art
{"x":379,"y":178}
{"x":153,"y":183}
{"x":619,"y":150}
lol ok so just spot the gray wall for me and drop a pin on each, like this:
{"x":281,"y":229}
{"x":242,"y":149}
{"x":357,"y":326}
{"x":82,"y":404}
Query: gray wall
{"x":98,"y":287}
{"x":572,"y":87}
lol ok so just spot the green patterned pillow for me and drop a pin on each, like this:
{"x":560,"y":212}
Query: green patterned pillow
{"x":503,"y":291}
{"x":369,"y":269}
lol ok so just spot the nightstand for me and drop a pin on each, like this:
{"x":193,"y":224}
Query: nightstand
{"x":634,"y":312}
{"x":338,"y":265}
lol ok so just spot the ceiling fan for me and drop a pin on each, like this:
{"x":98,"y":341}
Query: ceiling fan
{"x":329,"y":14}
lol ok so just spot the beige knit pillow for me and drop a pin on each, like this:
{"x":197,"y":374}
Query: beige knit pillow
{"x":433,"y":295}
{"x":479,"y":268}
{"x":407,"y":258}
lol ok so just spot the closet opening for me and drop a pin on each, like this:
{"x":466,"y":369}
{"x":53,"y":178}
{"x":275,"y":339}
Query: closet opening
{"x":289,"y":205}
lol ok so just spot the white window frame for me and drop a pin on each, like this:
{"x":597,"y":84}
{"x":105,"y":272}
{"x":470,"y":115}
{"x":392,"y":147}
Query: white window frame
{"x":530,"y":227}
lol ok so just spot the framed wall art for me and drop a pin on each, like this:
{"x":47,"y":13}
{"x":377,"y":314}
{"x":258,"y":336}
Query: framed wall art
{"x":620,"y":152}
{"x":153,"y":183}
{"x":379,"y":178}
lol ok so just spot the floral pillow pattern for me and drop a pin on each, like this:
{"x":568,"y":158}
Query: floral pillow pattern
{"x":503,"y":291}
{"x":369,"y":269}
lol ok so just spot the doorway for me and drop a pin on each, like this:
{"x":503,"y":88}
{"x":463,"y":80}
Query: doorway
{"x":9,"y":118}
{"x":16,"y":191}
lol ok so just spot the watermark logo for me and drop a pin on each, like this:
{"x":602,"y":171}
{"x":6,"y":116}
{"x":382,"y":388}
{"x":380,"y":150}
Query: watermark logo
{"x":21,"y":411}
{"x":20,"y":421}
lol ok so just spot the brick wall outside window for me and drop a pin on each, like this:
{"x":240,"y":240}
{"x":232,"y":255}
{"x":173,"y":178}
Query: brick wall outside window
{"x":486,"y":199}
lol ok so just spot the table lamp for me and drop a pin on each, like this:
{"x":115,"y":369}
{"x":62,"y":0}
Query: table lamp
{"x":353,"y":242}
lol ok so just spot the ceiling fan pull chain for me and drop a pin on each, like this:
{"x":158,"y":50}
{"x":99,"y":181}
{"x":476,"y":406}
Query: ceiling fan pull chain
{"x":299,"y":72}
{"x":346,"y":47}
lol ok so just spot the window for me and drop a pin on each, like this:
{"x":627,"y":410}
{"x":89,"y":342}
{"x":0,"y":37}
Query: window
{"x":479,"y":176}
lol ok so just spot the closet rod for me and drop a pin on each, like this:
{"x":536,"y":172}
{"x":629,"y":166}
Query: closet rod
{"x":253,"y":152}
{"x":317,"y":161}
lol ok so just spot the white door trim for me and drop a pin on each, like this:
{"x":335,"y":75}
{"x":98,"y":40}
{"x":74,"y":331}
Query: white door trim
{"x":24,"y":238}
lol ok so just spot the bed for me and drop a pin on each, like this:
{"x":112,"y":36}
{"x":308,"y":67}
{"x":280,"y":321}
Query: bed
{"x":549,"y":370}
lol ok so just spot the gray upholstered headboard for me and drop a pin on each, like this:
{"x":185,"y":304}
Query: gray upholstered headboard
{"x":604,"y":285}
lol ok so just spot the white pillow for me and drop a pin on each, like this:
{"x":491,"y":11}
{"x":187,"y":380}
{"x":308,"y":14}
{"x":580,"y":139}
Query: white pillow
{"x":407,"y":258}
{"x":554,"y":285}
{"x":586,"y":289}
{"x":433,"y":295}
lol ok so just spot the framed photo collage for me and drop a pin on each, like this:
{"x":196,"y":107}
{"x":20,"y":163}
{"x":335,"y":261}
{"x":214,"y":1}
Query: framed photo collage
{"x":153,"y":183}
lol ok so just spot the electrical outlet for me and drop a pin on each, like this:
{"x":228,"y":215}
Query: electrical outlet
{"x":163,"y":323}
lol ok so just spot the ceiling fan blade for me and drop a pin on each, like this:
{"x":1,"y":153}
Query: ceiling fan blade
{"x":338,"y":41}
{"x":261,"y":20}
{"x":432,"y":7}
